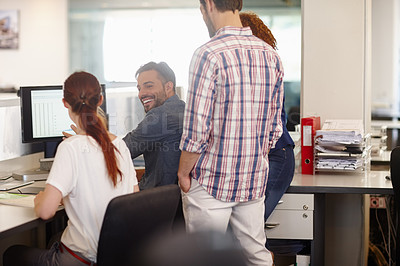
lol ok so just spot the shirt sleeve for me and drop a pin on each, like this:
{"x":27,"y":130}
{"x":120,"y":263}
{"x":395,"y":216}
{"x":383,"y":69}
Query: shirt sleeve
{"x":61,"y":175}
{"x":146,"y":134}
{"x":200,"y":102}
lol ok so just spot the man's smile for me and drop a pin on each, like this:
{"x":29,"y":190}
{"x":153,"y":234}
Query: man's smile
{"x":146,"y":100}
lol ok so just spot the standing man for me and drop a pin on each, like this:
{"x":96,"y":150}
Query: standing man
{"x":157,"y":136}
{"x":232,"y":120}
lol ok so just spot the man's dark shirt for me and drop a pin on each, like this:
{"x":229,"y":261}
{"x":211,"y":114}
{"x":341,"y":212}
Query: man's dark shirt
{"x":157,"y":137}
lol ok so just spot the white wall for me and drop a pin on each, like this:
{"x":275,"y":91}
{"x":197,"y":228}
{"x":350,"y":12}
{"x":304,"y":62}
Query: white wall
{"x":336,"y":84}
{"x":335,"y":59}
{"x":42,"y":57}
{"x":385,"y":54}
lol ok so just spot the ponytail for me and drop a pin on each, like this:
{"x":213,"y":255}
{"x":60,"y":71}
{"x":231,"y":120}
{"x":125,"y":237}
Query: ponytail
{"x":83,"y":92}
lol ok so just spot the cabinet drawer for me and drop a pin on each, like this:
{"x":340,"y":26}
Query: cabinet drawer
{"x":290,"y":224}
{"x":296,"y":202}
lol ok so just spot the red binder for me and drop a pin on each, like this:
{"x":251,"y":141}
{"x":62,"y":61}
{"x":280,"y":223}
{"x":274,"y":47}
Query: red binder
{"x":309,"y":125}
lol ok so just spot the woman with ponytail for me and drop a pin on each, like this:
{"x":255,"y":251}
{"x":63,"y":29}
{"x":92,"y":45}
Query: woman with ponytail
{"x":89,"y":170}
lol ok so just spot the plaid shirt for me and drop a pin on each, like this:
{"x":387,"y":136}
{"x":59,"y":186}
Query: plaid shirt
{"x":233,"y":113}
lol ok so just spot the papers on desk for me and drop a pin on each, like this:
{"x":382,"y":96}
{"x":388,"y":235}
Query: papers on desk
{"x":330,"y":137}
{"x":340,"y":145}
{"x":355,"y":126}
{"x":17,"y":200}
{"x":339,"y":164}
{"x":345,"y":132}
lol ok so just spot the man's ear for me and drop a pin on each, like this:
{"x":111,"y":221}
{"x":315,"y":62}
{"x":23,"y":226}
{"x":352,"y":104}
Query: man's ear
{"x":169,"y":88}
{"x":209,"y":5}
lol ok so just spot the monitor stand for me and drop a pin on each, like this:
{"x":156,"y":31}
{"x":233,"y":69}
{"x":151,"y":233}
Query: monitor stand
{"x":40,"y":174}
{"x":50,"y":148}
{"x":31,"y":175}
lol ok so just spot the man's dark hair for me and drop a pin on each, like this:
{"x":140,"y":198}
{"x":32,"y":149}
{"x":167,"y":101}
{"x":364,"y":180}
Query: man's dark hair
{"x":226,"y":5}
{"x":163,"y":70}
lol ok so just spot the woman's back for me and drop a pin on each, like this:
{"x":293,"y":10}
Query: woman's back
{"x":79,"y":172}
{"x":89,"y":170}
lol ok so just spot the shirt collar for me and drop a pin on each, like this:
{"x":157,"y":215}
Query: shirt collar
{"x":172,"y":98}
{"x":234,"y":31}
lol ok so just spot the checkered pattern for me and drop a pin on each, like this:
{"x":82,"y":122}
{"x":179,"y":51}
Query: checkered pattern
{"x":233,"y":113}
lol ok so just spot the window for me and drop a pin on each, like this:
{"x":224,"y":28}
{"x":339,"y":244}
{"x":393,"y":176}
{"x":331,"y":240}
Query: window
{"x":113,"y":44}
{"x":133,"y":38}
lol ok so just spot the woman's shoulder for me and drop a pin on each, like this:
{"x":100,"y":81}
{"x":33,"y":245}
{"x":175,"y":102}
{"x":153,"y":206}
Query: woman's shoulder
{"x":77,"y":142}
{"x":74,"y":140}
{"x":118,"y":142}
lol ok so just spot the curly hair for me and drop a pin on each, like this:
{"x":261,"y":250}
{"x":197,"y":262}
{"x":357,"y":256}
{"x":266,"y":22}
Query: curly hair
{"x":257,"y":26}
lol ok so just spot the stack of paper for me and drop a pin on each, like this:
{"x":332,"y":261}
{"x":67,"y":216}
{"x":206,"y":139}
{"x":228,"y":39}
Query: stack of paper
{"x":339,"y":164}
{"x":332,"y":137}
{"x":340,"y":145}
{"x":344,"y":126}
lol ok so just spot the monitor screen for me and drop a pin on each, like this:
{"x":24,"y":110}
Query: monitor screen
{"x":43,"y":114}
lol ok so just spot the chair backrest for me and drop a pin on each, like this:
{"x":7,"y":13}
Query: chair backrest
{"x":395,"y":178}
{"x":132,"y":220}
{"x":202,"y":248}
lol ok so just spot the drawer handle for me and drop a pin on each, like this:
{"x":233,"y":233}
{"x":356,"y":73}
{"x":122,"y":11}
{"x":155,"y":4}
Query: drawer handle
{"x":305,"y":207}
{"x":280,"y":202}
{"x":271,"y":225}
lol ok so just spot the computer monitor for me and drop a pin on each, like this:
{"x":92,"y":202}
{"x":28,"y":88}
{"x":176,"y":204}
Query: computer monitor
{"x":44,"y":116}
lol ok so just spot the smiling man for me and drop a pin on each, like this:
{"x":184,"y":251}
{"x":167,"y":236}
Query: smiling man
{"x":158,"y":135}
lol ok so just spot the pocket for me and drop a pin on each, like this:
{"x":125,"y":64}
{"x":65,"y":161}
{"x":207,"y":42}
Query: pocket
{"x":185,"y":193}
{"x":193,"y":185}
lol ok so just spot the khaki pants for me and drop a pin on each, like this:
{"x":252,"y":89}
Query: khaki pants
{"x":203,"y":212}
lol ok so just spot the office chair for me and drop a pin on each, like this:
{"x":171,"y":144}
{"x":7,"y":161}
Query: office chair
{"x":132,"y":221}
{"x":395,"y":177}
{"x":293,"y":118}
{"x":203,"y":248}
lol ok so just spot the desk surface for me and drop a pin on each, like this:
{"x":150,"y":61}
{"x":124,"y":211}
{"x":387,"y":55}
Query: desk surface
{"x":15,"y":219}
{"x":370,"y":182}
{"x":382,"y":159}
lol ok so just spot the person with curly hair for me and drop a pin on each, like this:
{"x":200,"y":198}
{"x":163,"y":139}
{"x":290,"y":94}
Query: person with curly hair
{"x":281,"y":158}
{"x":257,"y":26}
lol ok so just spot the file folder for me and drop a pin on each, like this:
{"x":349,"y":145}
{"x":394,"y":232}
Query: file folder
{"x":309,"y":126}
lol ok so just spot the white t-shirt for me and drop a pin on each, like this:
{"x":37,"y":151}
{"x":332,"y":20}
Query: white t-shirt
{"x":80,"y":173}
